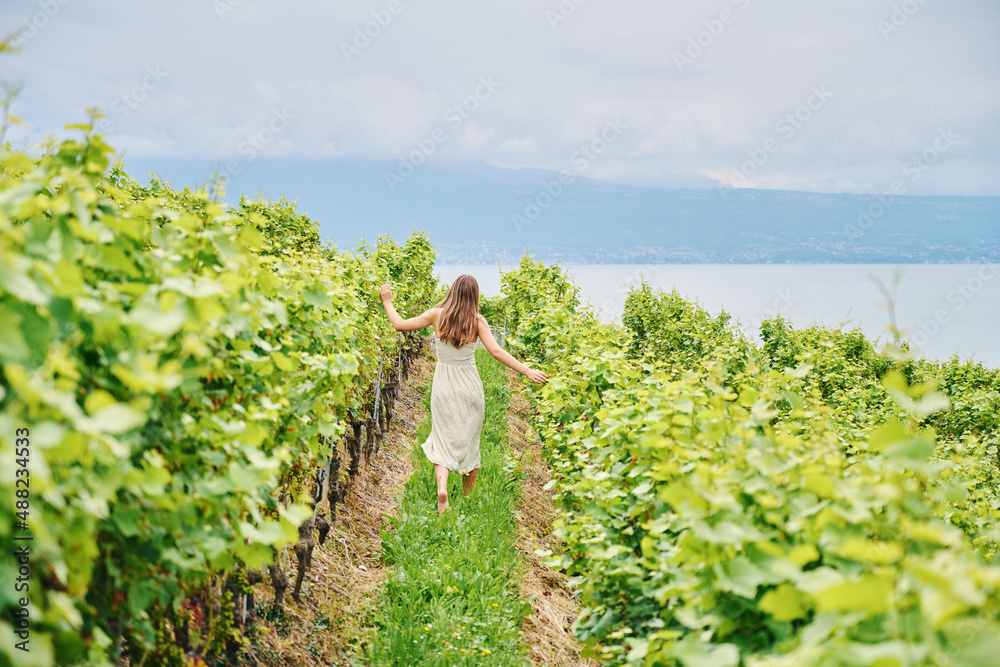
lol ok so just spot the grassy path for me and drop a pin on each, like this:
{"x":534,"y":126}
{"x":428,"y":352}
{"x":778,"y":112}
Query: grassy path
{"x":451,"y":595}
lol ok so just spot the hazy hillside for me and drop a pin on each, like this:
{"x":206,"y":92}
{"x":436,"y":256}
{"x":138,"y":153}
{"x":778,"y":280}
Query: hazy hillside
{"x":475,"y":212}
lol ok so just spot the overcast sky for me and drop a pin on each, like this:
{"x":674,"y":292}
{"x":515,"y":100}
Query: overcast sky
{"x":695,"y":87}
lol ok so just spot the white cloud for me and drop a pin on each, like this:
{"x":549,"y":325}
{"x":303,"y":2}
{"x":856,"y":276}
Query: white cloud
{"x":557,"y":86}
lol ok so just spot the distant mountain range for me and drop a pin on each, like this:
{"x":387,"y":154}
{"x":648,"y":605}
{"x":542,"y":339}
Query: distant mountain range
{"x":477,"y":213}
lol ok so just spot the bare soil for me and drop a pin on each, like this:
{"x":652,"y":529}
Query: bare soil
{"x":339,"y":595}
{"x":554,"y":606}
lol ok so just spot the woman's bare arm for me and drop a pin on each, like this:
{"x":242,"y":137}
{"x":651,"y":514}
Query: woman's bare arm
{"x":504,"y":357}
{"x":425,"y":319}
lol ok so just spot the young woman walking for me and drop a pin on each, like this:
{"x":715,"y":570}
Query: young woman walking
{"x":457,"y":399}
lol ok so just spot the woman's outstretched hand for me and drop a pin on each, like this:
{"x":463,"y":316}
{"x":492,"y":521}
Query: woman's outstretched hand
{"x":385,"y":293}
{"x":535,"y":375}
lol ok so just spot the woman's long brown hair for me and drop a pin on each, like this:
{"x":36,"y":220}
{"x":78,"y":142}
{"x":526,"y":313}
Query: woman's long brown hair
{"x":457,"y":323}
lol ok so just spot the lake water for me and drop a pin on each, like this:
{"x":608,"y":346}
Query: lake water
{"x":945,"y":308}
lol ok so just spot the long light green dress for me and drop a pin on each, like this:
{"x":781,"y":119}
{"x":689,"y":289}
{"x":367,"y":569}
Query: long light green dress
{"x":457,"y":407}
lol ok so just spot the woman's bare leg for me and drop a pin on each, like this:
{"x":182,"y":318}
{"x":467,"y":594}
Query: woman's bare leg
{"x":468,"y":481}
{"x":441,"y":475}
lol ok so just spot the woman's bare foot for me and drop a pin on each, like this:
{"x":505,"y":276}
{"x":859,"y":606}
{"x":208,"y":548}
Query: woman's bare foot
{"x":468,"y":481}
{"x":441,"y":477}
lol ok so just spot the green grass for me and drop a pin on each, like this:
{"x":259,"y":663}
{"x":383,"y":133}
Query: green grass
{"x":451,"y":595}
